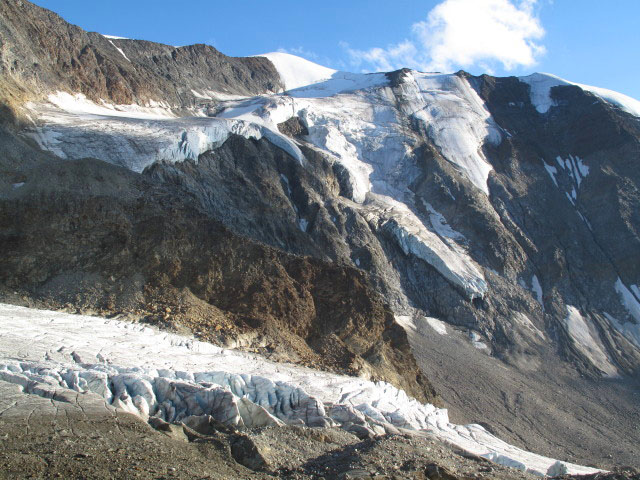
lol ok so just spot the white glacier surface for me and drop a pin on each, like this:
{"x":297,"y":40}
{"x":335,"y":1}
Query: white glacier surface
{"x":153,"y":373}
{"x":456,"y":119}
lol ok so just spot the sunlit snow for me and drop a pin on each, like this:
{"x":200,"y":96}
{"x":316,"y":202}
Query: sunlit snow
{"x":541,"y":84}
{"x":628,"y":299}
{"x":296,"y":71}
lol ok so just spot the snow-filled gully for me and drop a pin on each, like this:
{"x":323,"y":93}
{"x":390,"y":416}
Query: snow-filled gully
{"x":152,"y":373}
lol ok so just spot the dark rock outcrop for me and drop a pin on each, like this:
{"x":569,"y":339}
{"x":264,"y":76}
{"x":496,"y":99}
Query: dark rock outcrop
{"x":40,"y":53}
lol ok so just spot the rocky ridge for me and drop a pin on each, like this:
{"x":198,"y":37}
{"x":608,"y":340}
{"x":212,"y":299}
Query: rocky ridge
{"x":40,"y":54}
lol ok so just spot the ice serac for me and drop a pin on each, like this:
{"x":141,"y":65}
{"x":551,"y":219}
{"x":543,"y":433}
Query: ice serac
{"x":447,"y":258}
{"x":180,"y":379}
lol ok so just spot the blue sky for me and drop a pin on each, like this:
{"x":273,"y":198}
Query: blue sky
{"x":587,"y":41}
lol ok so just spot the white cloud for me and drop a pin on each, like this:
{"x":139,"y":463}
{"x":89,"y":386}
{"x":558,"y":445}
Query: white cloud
{"x":461,"y":34}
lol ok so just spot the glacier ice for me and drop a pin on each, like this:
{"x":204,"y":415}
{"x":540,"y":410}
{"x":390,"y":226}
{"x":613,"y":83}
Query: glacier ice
{"x":154,"y":373}
{"x":297,"y":72}
{"x":73,"y":127}
{"x":455,"y":118}
{"x":355,"y":120}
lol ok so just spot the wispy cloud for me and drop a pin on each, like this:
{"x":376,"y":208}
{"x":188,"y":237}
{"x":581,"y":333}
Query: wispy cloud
{"x":461,"y":34}
{"x":312,"y":56}
{"x":299,"y":51}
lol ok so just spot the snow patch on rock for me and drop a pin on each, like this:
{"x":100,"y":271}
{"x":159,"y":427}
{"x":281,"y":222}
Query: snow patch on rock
{"x":537,"y":289}
{"x":476,"y":341}
{"x":630,"y":330}
{"x":586,"y":339}
{"x":438,"y":325}
{"x":541,"y":84}
{"x":552,"y":171}
{"x":523,"y":320}
{"x":120,"y":50}
{"x":628,"y":299}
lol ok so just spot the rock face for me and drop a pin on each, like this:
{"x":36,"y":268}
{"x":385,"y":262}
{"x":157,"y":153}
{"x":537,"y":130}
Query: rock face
{"x":40,"y":53}
{"x":300,"y":224}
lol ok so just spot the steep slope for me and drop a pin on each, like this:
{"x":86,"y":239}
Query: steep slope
{"x":297,"y":72}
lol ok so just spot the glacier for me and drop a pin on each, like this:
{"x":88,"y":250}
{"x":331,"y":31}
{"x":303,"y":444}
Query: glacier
{"x":355,"y":120}
{"x":73,"y":127}
{"x":155,"y":374}
{"x":359,"y":122}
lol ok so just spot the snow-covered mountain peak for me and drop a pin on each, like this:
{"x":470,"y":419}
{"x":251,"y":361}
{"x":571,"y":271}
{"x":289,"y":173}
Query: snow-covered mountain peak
{"x":296,"y":71}
{"x":541,"y":84}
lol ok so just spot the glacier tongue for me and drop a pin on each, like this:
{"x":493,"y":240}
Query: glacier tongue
{"x":153,"y":373}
